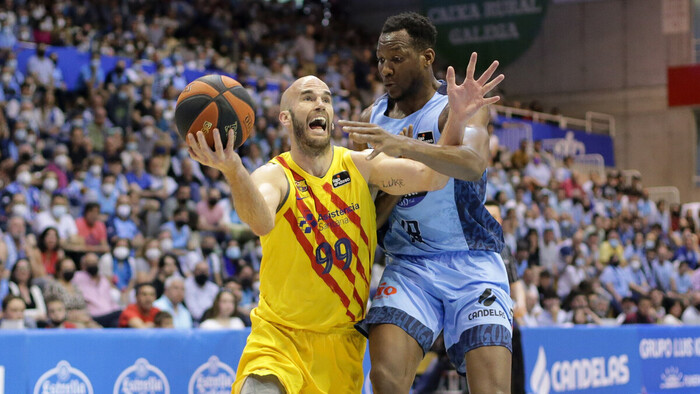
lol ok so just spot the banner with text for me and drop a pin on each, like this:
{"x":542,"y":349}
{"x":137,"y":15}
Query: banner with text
{"x":122,"y":361}
{"x":496,"y":29}
{"x":627,"y":359}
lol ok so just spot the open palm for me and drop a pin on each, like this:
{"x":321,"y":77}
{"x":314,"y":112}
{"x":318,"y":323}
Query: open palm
{"x":466,"y":99}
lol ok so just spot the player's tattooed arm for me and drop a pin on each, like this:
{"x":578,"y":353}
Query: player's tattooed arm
{"x":398,"y":176}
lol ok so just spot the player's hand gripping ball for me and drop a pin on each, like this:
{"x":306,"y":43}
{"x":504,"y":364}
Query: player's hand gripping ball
{"x":215,"y":101}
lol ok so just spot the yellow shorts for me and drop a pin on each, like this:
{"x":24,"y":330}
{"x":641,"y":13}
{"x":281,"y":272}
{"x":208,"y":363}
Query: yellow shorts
{"x":303,"y":361}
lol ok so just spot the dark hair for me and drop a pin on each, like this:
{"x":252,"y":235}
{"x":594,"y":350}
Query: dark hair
{"x":14,"y":270}
{"x":41,"y":242}
{"x":161,"y":262}
{"x":90,"y":206}
{"x":56,"y":196}
{"x":419,"y":28}
{"x":57,"y":266}
{"x":669,"y":303}
{"x":10,"y":297}
{"x":139,"y":286}
{"x":160,"y":317}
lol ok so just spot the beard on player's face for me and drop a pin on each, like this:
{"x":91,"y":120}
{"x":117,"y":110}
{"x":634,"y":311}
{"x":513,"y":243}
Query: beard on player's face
{"x":310,"y":146}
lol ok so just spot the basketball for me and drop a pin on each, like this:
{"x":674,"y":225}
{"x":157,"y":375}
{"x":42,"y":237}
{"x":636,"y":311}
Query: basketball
{"x":215,"y":101}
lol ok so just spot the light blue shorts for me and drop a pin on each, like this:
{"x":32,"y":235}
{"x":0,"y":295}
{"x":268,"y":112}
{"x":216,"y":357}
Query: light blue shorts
{"x":464,"y":294}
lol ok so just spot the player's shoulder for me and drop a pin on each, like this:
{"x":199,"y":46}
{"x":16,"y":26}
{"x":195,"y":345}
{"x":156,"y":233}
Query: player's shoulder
{"x":272,"y":172}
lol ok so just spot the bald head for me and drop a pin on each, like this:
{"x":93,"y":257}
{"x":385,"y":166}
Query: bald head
{"x":291,"y":95}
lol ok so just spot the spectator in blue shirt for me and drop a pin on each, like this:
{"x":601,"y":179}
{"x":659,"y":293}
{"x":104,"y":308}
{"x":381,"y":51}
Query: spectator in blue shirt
{"x":616,"y":278}
{"x":138,"y":174}
{"x":688,"y":251}
{"x":171,"y":301}
{"x":179,"y":228}
{"x":683,"y":279}
{"x":663,"y":268}
{"x":107,"y":195}
{"x":23,"y":185}
{"x":91,"y":75}
{"x":121,"y":225}
{"x":7,"y":36}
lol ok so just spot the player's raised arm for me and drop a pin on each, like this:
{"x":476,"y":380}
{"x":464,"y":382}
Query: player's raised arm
{"x":466,"y":161}
{"x":397,"y":176}
{"x":255,"y":197}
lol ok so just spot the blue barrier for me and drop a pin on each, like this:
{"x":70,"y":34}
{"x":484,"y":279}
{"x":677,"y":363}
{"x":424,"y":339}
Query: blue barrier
{"x":627,"y":359}
{"x":121,"y":361}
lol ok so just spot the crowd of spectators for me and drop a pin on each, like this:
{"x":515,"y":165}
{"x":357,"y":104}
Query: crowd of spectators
{"x":105,"y":221}
{"x":592,"y":248}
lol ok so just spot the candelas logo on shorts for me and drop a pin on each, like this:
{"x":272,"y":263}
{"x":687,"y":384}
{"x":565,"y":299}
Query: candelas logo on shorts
{"x":63,"y":379}
{"x":212,"y":377}
{"x":142,"y":378}
{"x":578,"y":374}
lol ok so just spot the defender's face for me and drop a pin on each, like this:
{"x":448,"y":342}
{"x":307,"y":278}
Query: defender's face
{"x":399,"y":64}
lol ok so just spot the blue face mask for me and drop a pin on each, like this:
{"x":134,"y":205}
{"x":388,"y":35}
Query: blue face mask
{"x":233,"y":252}
{"x":614,"y":243}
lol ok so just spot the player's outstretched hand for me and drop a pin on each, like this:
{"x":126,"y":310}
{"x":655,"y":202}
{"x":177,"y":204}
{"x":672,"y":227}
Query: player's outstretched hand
{"x":223,"y":159}
{"x":466,"y":99}
{"x":380,"y":139}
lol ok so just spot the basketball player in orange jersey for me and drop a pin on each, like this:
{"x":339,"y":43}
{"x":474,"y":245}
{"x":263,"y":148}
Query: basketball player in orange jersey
{"x":314,"y":211}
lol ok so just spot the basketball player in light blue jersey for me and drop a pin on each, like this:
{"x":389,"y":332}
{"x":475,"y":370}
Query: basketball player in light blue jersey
{"x":444,"y":270}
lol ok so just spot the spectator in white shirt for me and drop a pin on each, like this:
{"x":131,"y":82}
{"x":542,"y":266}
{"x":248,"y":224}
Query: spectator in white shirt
{"x":552,"y":315}
{"x":59,"y":218}
{"x":222,"y":315}
{"x":200,"y":291}
{"x":691,"y":315}
{"x":538,"y":172}
{"x":674,"y":310}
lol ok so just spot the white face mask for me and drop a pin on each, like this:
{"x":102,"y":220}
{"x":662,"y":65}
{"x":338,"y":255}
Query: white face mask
{"x":20,"y":210}
{"x":50,"y":184}
{"x":123,"y":210}
{"x":635,"y":264}
{"x":107,"y":189}
{"x":95,"y":170}
{"x":152,"y":254}
{"x":166,"y":244}
{"x":121,"y":252}
{"x":59,"y":210}
{"x":24,"y":177}
{"x":62,"y":161}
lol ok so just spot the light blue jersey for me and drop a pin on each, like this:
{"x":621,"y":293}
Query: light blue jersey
{"x":447,"y":220}
{"x":444,"y":269}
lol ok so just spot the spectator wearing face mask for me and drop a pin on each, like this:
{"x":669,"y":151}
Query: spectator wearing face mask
{"x":97,"y":291}
{"x":122,"y":225}
{"x":91,"y":230}
{"x":91,"y":76}
{"x":107,"y":195}
{"x":212,"y":213}
{"x":119,"y":266}
{"x":71,"y":296}
{"x":638,"y":283}
{"x":230,"y":259}
{"x":41,"y":67}
{"x":19,"y":244}
{"x":179,"y":229}
{"x":612,"y":246}
{"x":616,"y":278}
{"x":213,"y":258}
{"x":59,"y":218}
{"x":49,"y":186}
{"x":148,"y":257}
{"x":199,"y":291}
{"x":23,"y":185}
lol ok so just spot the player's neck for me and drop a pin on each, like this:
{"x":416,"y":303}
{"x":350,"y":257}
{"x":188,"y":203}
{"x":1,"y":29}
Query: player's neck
{"x":419,"y":98}
{"x":316,"y":165}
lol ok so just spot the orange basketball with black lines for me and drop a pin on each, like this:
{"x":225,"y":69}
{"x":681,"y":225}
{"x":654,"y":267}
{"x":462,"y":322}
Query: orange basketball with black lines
{"x":215,"y":101}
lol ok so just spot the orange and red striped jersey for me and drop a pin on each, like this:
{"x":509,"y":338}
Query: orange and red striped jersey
{"x":316,"y":264}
